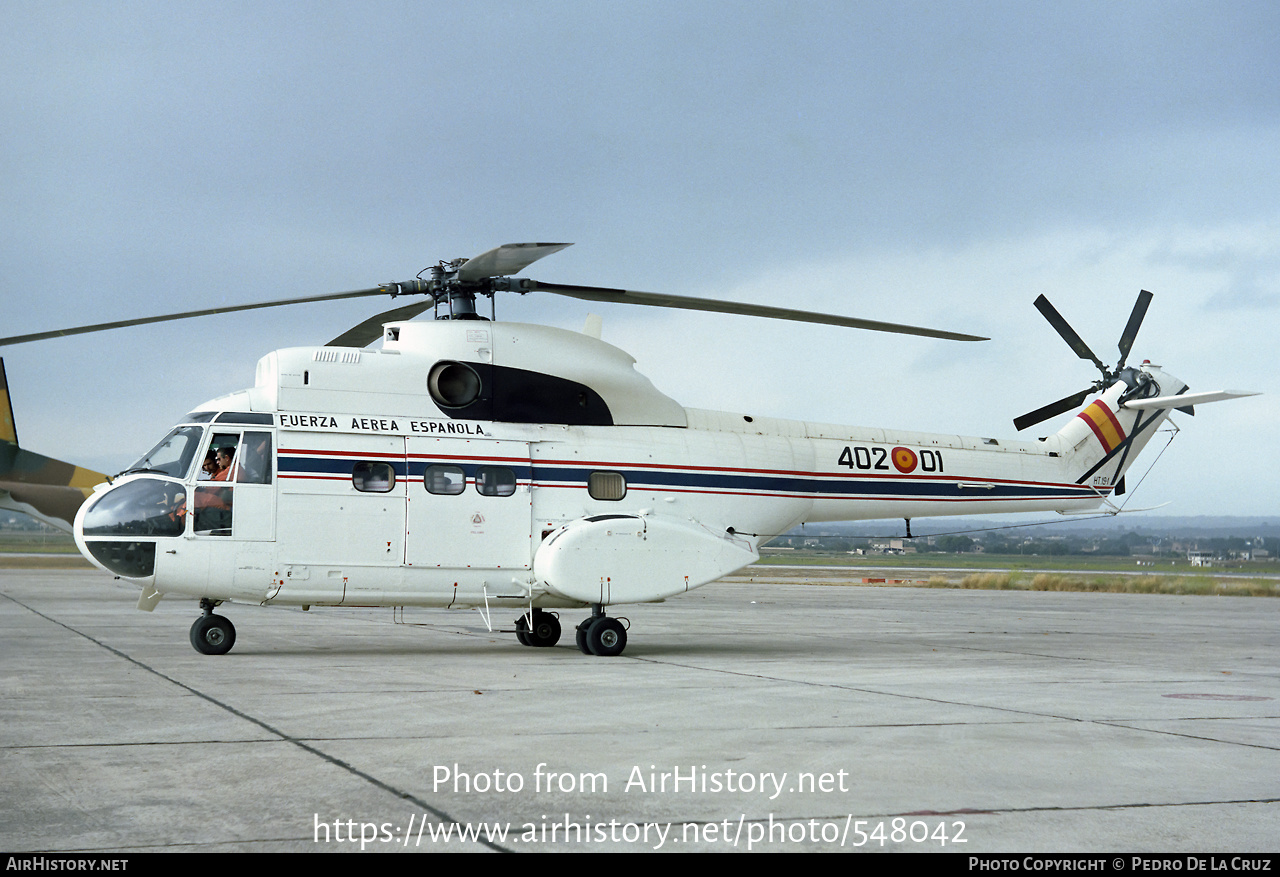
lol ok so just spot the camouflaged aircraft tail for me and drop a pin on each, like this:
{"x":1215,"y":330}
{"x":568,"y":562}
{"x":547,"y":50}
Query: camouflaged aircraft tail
{"x":48,"y":490}
{"x":8,"y":432}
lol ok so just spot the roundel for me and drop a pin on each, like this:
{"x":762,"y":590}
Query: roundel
{"x":904,"y":459}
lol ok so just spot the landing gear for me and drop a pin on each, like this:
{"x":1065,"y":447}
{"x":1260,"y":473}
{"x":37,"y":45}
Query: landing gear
{"x":601,"y":635}
{"x":597,"y":635}
{"x":544,"y":633}
{"x":212,"y":634}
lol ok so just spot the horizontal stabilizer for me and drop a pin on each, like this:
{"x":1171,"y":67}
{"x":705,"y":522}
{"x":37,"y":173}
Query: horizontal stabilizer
{"x":1186,"y":399}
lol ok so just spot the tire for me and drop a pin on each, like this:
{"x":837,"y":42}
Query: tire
{"x":213,"y":635}
{"x":545,"y":632}
{"x":606,"y":637}
{"x":522,"y":631}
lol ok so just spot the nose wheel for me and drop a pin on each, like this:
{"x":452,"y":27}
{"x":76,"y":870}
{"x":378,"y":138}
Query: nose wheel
{"x":212,"y":634}
{"x":601,"y":635}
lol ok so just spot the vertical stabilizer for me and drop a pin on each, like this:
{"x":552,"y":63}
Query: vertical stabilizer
{"x":1105,"y":437}
{"x":48,"y":490}
{"x":8,"y":431}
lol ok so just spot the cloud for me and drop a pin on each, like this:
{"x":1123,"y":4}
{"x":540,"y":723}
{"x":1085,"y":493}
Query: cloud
{"x":931,"y":164}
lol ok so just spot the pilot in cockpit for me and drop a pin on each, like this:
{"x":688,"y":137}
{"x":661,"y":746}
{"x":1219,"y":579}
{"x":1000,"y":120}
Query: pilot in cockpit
{"x":225,"y":456}
{"x":209,"y":466}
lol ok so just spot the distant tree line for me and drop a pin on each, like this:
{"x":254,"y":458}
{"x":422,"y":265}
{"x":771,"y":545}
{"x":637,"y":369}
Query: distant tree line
{"x":1011,"y":541}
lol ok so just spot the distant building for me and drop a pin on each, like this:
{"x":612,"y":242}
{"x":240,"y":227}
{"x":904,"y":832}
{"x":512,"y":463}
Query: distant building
{"x":893,"y":546}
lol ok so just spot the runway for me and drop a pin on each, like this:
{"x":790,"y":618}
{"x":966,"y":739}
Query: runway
{"x":742,"y":716}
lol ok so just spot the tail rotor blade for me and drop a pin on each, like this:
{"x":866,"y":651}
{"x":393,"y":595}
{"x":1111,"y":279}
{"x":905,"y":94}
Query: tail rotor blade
{"x":1131,"y":328}
{"x":1067,"y":403}
{"x":1074,"y":341}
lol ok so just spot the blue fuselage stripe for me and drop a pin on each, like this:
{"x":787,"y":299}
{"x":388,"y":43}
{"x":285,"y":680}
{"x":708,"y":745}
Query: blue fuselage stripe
{"x":728,"y":482}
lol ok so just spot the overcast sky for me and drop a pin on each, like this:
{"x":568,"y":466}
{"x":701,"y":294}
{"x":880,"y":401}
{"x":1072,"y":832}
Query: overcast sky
{"x":941,"y":164}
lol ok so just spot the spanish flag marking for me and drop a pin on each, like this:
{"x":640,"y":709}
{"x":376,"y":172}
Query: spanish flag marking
{"x":1104,"y":425}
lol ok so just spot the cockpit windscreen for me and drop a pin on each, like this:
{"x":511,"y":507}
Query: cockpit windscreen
{"x":173,"y":456}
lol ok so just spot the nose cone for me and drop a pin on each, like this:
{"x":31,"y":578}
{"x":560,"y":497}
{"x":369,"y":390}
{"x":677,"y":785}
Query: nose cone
{"x":117,"y":529}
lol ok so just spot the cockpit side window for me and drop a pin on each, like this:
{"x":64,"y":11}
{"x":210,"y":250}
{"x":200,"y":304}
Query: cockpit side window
{"x":214,"y":505}
{"x":254,"y":463}
{"x":220,"y":458}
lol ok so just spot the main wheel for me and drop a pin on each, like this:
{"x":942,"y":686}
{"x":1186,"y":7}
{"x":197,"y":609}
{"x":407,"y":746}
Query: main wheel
{"x":522,"y":631}
{"x":545,"y":631}
{"x":580,"y":635}
{"x":606,"y":637}
{"x":213,"y":635}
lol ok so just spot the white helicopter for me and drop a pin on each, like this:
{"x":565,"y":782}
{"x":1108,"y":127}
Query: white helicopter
{"x":469,"y":463}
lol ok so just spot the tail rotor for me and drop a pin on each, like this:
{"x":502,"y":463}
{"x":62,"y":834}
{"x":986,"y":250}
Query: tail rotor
{"x":1082,"y":350}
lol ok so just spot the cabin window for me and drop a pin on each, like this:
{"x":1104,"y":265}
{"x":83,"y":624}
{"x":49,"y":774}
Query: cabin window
{"x":373,"y":477}
{"x":444,"y":480}
{"x":495,"y":481}
{"x":606,"y":485}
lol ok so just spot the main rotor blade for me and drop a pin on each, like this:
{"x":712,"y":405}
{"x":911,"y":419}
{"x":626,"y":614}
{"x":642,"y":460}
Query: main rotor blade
{"x":1131,"y":328}
{"x":119,"y":324}
{"x":1074,"y":341}
{"x":1067,"y":403}
{"x":365,"y":333}
{"x":506,"y":260}
{"x":627,"y":296}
